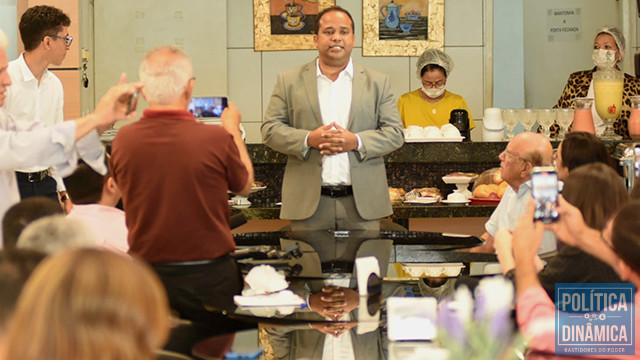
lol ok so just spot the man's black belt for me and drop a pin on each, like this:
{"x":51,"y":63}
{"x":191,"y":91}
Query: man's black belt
{"x":192,"y":262}
{"x":337,"y":191}
{"x":32,"y":177}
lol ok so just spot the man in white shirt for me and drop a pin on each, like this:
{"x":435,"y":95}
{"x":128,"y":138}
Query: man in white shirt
{"x":59,"y":145}
{"x":36,"y":95}
{"x":335,"y":120}
{"x":522,"y":153}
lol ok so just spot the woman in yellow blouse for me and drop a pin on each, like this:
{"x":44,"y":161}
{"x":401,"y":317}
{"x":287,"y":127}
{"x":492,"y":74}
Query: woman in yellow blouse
{"x":431,"y":105}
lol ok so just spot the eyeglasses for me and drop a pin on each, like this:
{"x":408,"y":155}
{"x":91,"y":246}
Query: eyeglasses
{"x":67,"y":39}
{"x":437,"y":84}
{"x":515,"y":156}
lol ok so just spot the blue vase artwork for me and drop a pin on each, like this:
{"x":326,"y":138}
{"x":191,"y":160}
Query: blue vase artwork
{"x":392,"y":19}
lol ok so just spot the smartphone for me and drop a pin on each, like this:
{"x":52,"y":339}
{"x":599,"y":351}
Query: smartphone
{"x":636,"y":158}
{"x":133,"y":102}
{"x":208,"y":107}
{"x":544,"y":189}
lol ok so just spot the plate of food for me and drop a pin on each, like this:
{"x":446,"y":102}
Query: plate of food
{"x":257,"y":186}
{"x":422,"y":201}
{"x":456,"y":202}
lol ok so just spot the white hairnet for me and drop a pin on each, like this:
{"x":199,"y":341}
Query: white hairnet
{"x":437,"y":57}
{"x":617,"y":36}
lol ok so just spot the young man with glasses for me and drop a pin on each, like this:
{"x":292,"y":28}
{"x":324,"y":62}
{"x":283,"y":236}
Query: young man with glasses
{"x":36,"y":95}
{"x":522,"y":153}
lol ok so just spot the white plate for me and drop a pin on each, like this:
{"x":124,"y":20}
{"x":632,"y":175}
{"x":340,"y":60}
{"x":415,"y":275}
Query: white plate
{"x":421,"y":140}
{"x":240,"y":206}
{"x":258,"y":188}
{"x":456,"y":202}
{"x":422,"y":201}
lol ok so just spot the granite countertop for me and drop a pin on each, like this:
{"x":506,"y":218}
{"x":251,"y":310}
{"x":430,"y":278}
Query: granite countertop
{"x":399,"y":211}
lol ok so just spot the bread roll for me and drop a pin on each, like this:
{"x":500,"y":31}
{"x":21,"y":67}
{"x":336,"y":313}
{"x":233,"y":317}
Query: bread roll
{"x":497,"y":177}
{"x":396,"y":195}
{"x":485,"y":190}
{"x":481,"y":191}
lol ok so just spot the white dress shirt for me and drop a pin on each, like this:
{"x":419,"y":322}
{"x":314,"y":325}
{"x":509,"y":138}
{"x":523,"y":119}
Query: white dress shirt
{"x":511,"y":207}
{"x":37,"y":144}
{"x":335,"y":105}
{"x":30,"y":102}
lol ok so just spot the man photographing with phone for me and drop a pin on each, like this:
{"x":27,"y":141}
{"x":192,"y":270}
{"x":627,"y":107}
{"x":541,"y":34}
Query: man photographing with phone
{"x":58,"y":145}
{"x":174,"y":173}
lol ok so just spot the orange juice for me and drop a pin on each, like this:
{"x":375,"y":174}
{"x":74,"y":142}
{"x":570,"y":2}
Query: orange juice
{"x":608,"y":94}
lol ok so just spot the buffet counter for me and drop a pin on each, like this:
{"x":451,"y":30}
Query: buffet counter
{"x":414,"y":165}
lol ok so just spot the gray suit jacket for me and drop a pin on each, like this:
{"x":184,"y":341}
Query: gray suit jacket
{"x":294,"y":111}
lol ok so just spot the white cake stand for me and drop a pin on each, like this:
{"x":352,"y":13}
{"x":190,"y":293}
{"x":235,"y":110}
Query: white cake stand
{"x":461,"y":182}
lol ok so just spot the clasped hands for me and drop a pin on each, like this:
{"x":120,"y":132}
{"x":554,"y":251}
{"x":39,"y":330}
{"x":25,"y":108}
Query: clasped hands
{"x":332,"y":139}
{"x":333,"y":301}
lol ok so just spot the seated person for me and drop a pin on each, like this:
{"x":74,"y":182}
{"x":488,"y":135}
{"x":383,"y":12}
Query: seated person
{"x":89,"y":304}
{"x":22,"y":214}
{"x":580,"y":84}
{"x":572,"y":265}
{"x":54,"y":233}
{"x":618,"y":246}
{"x":525,"y":151}
{"x":15,"y":268}
{"x":431,"y":105}
{"x":94,"y":198}
{"x":579,"y":148}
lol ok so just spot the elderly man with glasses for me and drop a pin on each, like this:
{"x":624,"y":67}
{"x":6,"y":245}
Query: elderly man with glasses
{"x":37,"y":95}
{"x":522,"y":153}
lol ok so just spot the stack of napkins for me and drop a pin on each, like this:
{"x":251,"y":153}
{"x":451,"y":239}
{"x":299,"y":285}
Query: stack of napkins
{"x":267,"y":287}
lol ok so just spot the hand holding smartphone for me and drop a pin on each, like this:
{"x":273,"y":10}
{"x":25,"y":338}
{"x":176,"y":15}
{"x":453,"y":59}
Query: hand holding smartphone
{"x":544,"y":189}
{"x":132,"y":103}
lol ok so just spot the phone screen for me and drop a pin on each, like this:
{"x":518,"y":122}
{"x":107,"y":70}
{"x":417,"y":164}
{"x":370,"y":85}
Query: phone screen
{"x":207,"y":107}
{"x":544,"y":189}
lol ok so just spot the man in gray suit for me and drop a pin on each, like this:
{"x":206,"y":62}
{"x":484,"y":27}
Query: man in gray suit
{"x":335,"y":120}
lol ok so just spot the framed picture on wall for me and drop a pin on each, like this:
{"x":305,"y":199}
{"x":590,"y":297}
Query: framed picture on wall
{"x":286,"y":24}
{"x":401,"y":27}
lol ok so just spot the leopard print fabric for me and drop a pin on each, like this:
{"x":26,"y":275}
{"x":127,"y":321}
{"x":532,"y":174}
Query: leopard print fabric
{"x":578,"y":86}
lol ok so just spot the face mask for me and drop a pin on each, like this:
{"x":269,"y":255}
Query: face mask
{"x":604,"y":58}
{"x":433,"y":92}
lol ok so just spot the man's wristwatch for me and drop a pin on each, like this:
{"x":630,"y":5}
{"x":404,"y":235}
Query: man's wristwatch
{"x":63,"y":196}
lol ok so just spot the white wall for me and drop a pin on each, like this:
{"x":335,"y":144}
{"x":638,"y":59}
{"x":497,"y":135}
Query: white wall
{"x":508,"y":54}
{"x":549,"y":59}
{"x":9,"y":24}
{"x":252,"y":75}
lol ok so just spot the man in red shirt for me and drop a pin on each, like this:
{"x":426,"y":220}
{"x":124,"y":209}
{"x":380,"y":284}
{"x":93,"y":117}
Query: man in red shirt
{"x":174,"y":174}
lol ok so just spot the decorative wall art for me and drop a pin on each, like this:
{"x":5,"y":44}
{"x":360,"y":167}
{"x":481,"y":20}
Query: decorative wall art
{"x":286,"y":24}
{"x":402,"y":27}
